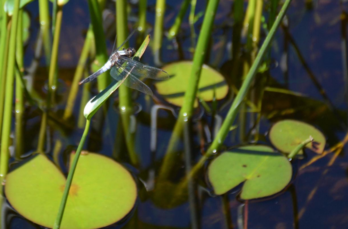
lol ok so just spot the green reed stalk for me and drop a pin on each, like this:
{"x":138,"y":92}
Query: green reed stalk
{"x":84,"y":99}
{"x":58,"y":221}
{"x":19,"y":88}
{"x":52,"y":80}
{"x":173,"y":31}
{"x":5,"y":35}
{"x":52,"y":75}
{"x":100,"y":43}
{"x":192,"y":86}
{"x":7,"y":120}
{"x":257,"y":23}
{"x":158,"y":33}
{"x":249,"y":22}
{"x":125,"y":104}
{"x":248,"y":28}
{"x":45,"y":28}
{"x":254,"y":117}
{"x":192,"y":22}
{"x":122,"y":34}
{"x":142,"y":16}
{"x":78,"y":74}
{"x":232,"y":113}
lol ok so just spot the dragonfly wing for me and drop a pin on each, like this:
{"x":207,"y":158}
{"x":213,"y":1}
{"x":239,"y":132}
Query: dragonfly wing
{"x":137,"y":84}
{"x":142,"y":71}
{"x":131,"y":81}
{"x":117,"y":75}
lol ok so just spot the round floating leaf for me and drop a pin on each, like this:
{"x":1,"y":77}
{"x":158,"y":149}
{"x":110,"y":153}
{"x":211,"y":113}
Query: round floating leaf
{"x":173,"y":89}
{"x":102,"y":192}
{"x":10,"y":3}
{"x":263,"y":171}
{"x":287,"y":134}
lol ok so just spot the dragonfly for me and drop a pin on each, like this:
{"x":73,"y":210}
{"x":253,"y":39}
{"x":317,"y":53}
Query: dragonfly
{"x":123,"y":67}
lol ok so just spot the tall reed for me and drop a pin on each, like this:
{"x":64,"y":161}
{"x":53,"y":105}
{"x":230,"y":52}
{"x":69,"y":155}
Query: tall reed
{"x":7,"y":118}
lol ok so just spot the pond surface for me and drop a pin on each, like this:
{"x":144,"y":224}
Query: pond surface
{"x":307,"y":57}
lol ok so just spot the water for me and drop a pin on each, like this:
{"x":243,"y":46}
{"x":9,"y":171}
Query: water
{"x":316,"y":196}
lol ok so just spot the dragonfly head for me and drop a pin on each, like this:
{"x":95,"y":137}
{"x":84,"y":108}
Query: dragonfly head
{"x":130,"y":52}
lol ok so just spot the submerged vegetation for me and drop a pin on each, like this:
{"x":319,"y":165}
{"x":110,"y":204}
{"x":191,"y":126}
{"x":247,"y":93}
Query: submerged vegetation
{"x":198,"y":142}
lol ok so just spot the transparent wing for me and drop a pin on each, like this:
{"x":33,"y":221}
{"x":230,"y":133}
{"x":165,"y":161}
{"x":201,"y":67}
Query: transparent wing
{"x":131,"y":81}
{"x":140,"y":70}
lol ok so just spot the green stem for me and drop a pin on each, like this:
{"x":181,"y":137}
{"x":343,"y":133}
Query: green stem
{"x":249,"y":22}
{"x":85,"y":97}
{"x":78,"y":75}
{"x":192,"y":86}
{"x":121,"y":30}
{"x":173,"y":31}
{"x":142,"y":16}
{"x":19,"y":89}
{"x":52,"y":76}
{"x":232,"y":113}
{"x":100,"y":42}
{"x":192,"y":22}
{"x":59,"y":218}
{"x":45,"y":28}
{"x":52,"y":81}
{"x":125,"y":104}
{"x":158,"y":33}
{"x":5,"y":34}
{"x":7,"y":120}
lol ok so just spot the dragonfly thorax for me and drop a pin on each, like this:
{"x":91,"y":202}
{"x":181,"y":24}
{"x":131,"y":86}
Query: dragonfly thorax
{"x":129,"y":52}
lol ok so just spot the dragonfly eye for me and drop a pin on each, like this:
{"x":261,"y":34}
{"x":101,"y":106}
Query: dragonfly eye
{"x":131,"y":51}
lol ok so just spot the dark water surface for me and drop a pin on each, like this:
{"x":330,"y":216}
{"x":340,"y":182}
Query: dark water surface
{"x":317,"y":195}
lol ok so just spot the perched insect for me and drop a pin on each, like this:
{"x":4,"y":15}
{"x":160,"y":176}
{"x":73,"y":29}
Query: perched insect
{"x":122,"y":65}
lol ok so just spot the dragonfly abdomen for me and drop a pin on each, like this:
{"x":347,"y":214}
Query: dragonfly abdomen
{"x":103,"y":69}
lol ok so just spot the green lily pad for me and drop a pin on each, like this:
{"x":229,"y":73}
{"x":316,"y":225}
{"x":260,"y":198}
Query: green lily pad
{"x":173,"y":89}
{"x":287,"y":134}
{"x":102,"y":192}
{"x":263,"y":171}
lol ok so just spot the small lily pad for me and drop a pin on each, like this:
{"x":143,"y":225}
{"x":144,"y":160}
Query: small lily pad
{"x":173,"y":90}
{"x":287,"y":134}
{"x":263,"y":171}
{"x":102,"y":192}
